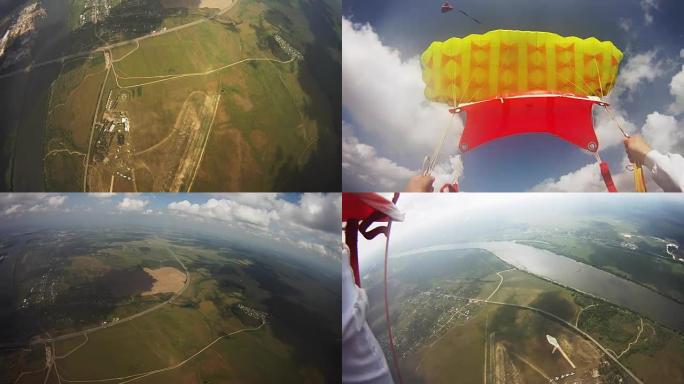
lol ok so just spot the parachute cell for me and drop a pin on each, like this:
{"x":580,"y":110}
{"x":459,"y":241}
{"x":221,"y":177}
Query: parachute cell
{"x":502,"y":63}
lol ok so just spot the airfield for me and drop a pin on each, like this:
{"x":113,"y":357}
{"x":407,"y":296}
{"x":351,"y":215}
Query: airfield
{"x":220,"y":95}
{"x":134,"y":307}
{"x":469,"y":315}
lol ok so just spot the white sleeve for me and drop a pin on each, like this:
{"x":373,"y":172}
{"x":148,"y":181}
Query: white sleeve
{"x":362,"y":357}
{"x":668,"y":170}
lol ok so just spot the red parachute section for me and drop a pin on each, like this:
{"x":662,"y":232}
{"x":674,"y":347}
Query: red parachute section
{"x":567,"y":117}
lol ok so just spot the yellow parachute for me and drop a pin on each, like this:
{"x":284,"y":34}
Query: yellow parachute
{"x":504,"y":63}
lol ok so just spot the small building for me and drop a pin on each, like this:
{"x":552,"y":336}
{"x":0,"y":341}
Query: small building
{"x":127,"y":125}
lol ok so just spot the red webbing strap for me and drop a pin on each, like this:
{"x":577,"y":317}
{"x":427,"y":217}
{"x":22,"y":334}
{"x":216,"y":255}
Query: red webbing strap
{"x":449,"y":187}
{"x":351,"y":232}
{"x":607,"y":178}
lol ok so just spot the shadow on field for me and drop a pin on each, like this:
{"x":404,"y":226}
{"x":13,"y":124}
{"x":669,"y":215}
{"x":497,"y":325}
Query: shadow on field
{"x":316,"y":341}
{"x":320,"y":72}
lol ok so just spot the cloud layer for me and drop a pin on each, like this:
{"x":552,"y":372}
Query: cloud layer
{"x":307,"y":223}
{"x":312,"y":223}
{"x":12,"y":204}
{"x":383,"y":93}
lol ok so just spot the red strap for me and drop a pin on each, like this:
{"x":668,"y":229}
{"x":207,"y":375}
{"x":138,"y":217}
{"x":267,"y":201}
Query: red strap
{"x":351,"y":236}
{"x":449,"y":187}
{"x":607,"y":178}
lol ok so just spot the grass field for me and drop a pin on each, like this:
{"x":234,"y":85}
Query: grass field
{"x":655,"y":356}
{"x":178,"y":336}
{"x":273,"y":121}
{"x":525,"y":289}
{"x":69,"y":119}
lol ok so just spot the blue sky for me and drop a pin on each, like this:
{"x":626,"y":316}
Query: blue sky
{"x":389,"y":127}
{"x":296,"y":224}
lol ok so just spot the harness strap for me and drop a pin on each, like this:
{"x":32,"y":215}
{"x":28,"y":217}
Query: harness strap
{"x":639,"y":182}
{"x":607,"y":178}
{"x":351,"y":231}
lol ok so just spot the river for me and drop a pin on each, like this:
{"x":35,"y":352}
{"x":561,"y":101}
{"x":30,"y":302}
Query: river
{"x":21,"y":102}
{"x":581,"y":277}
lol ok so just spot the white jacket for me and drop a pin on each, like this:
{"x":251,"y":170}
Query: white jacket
{"x":667,"y":170}
{"x":362,"y":357}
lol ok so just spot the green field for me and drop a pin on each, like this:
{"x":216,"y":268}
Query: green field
{"x":439,"y":336}
{"x":276,"y":125}
{"x":202,"y":335}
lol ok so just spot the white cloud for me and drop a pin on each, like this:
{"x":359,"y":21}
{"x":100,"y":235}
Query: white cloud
{"x":445,"y":172}
{"x":315,"y":211}
{"x":317,"y":248}
{"x":648,"y":6}
{"x":131,"y":204}
{"x":606,"y":126}
{"x":639,"y":69}
{"x":385,"y":95}
{"x":12,"y":209}
{"x":56,"y":201}
{"x":101,"y":195}
{"x":364,"y":169}
{"x":312,"y":223}
{"x":662,"y":132}
{"x":18,"y":203}
{"x":587,"y":179}
{"x":625,"y":24}
{"x":677,"y":90}
{"x":254,"y":215}
{"x":226,"y":210}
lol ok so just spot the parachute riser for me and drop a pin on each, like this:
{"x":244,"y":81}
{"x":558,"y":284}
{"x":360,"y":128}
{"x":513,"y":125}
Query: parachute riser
{"x":636,"y":168}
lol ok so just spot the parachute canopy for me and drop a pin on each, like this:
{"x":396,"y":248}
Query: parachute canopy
{"x":360,"y":206}
{"x":503,"y":63}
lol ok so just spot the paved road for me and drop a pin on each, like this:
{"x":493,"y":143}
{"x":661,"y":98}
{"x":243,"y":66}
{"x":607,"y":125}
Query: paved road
{"x":554,"y":317}
{"x":42,"y":340}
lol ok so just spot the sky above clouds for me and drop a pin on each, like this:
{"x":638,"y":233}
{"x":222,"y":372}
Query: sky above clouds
{"x":301,"y":224}
{"x":389,"y":127}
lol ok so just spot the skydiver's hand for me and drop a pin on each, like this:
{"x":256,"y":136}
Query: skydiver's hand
{"x":420,"y":183}
{"x":637,"y":149}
